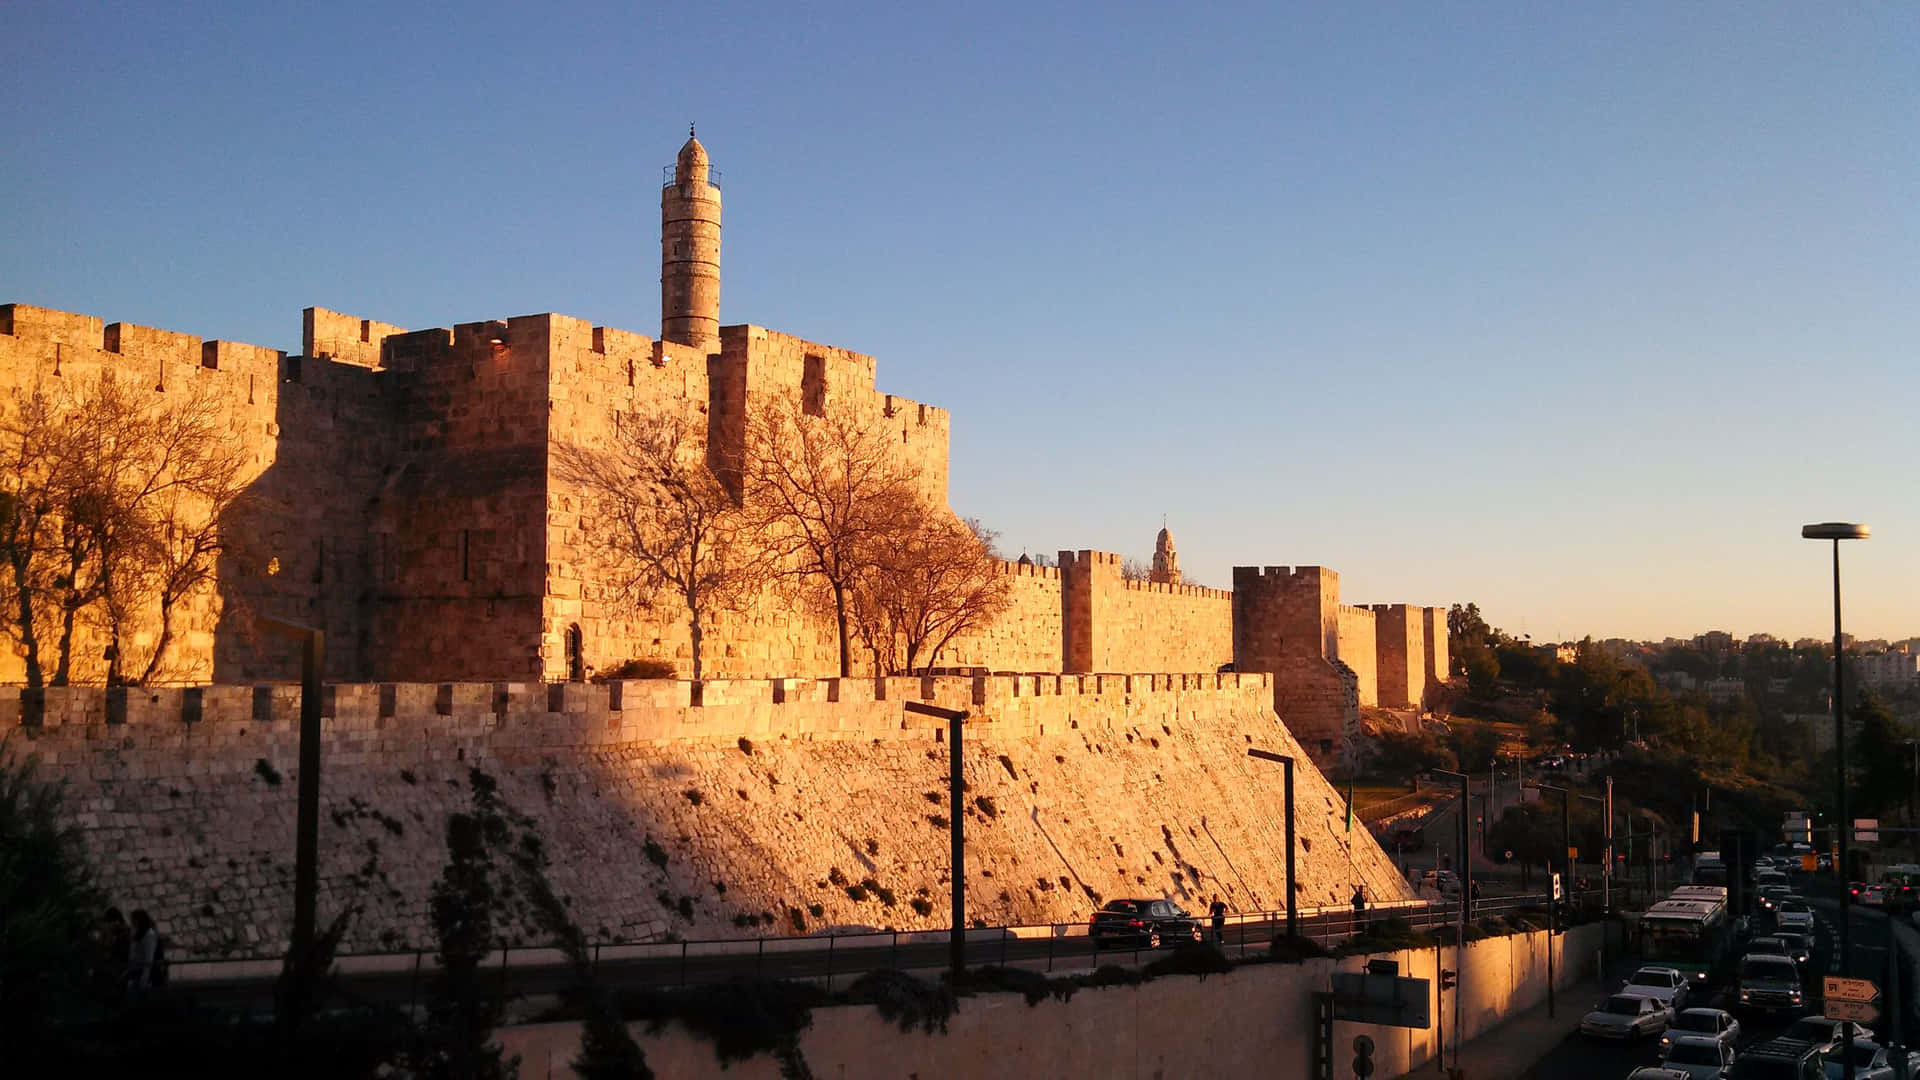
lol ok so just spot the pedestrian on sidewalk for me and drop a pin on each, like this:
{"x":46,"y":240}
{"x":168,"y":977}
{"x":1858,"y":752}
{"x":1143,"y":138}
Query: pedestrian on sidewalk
{"x":1359,"y":908}
{"x":1219,"y":912}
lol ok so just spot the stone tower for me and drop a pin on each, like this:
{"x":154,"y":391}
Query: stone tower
{"x":1166,"y":564}
{"x":690,"y":251}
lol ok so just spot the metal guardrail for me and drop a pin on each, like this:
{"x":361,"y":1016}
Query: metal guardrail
{"x":834,"y":958}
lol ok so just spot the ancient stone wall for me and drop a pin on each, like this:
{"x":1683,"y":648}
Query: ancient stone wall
{"x":1439,"y":659}
{"x":760,"y":810}
{"x":1400,"y":641}
{"x":1358,"y":646}
{"x":307,"y":429}
{"x":1181,"y":626}
{"x":1027,"y":636}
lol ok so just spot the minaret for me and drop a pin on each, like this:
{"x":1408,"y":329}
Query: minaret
{"x":690,"y":251}
{"x":1166,"y":564}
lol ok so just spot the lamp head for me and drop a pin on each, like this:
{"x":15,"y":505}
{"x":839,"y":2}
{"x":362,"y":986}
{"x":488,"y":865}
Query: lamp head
{"x":1835,"y":530}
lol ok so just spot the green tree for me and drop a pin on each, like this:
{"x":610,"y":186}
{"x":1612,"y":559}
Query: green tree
{"x":48,"y":902}
{"x":1878,"y":758}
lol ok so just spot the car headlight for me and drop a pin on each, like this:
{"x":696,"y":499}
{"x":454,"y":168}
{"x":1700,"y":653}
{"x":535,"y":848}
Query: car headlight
{"x":1746,"y":995}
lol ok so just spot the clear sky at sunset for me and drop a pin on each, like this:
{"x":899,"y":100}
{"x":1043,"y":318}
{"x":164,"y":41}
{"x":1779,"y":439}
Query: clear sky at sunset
{"x":1576,"y":311}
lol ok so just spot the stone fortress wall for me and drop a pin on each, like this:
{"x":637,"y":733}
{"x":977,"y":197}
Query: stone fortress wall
{"x":718,"y":809}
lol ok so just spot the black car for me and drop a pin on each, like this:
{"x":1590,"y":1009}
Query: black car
{"x":1779,"y":1059}
{"x":1152,"y":923}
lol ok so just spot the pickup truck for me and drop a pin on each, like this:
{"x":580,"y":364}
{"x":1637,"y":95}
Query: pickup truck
{"x":1152,"y":923}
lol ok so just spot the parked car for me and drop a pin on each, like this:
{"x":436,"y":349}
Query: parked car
{"x":1702,"y":1024}
{"x":1626,"y":1017}
{"x":1779,"y":1059}
{"x":1664,"y":984}
{"x":1769,"y":983}
{"x":1697,"y":1058}
{"x":1152,"y":923}
{"x":1822,"y":1031}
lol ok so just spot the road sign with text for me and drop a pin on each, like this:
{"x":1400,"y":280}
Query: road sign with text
{"x":1859,"y":1012}
{"x":1861,"y":991}
{"x":1866,"y":830}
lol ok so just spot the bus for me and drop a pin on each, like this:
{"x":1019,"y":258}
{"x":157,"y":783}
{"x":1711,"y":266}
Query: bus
{"x":1690,"y":932}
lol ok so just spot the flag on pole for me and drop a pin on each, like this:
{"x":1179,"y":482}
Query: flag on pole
{"x":1349,"y":802}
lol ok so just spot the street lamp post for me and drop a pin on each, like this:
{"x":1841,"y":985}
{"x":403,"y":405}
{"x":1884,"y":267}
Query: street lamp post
{"x":1466,"y":900}
{"x":1836,"y":531}
{"x":1293,"y":902}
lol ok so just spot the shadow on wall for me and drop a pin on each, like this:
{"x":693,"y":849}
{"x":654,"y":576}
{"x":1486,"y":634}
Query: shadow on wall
{"x":415,"y":544}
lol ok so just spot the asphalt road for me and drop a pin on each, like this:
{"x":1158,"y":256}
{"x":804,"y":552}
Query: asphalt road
{"x":1578,"y":1058}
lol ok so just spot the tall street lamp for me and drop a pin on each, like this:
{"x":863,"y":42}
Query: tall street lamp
{"x":1837,"y":531}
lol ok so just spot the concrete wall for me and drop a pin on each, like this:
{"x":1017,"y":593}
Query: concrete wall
{"x":1257,"y":1021}
{"x":760,"y":797}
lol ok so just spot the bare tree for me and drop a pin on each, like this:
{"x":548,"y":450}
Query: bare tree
{"x":664,"y":522}
{"x":826,"y":493}
{"x":1132,"y":569}
{"x":926,"y":587}
{"x":99,"y":487}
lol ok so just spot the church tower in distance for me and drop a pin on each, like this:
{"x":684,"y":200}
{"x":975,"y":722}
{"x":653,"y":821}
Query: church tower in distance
{"x":1166,"y":564}
{"x":690,"y":250}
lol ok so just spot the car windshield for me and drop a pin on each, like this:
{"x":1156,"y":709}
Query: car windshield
{"x":1650,"y":977}
{"x":1621,"y":1005}
{"x":1765,"y":967}
{"x":1795,"y":941}
{"x":1768,"y":945}
{"x":1693,"y":1021}
{"x":1797,"y":907}
{"x":1694,"y":1054}
{"x":1128,"y":907}
{"x":1769,"y":1068}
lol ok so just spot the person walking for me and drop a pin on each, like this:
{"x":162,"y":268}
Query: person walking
{"x":116,"y":949}
{"x":144,"y":956}
{"x":1219,"y":912}
{"x":1359,"y":908}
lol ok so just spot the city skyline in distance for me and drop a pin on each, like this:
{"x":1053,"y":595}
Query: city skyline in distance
{"x":1574,"y":317}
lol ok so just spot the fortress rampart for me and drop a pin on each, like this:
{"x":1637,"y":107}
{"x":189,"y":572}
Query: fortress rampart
{"x":719,"y":809}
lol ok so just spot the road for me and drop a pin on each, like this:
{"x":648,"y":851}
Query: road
{"x":832,"y":963}
{"x":1578,"y":1058}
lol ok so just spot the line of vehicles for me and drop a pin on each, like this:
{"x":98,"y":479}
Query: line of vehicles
{"x":1692,"y":945}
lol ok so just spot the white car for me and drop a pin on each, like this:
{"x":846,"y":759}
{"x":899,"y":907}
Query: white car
{"x":1664,"y":984}
{"x":1794,"y":915}
{"x":1870,"y":1062}
{"x":1625,"y":1017}
{"x":1697,"y":1058}
{"x":1716,"y":1024}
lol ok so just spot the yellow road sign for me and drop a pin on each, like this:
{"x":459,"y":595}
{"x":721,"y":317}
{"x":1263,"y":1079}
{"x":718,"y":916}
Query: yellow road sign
{"x":1859,"y":991}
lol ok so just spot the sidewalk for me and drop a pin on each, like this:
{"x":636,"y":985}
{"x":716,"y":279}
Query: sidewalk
{"x":1510,"y":1051}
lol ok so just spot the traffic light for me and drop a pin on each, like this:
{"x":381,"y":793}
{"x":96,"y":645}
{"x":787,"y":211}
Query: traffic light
{"x":1449,"y":979}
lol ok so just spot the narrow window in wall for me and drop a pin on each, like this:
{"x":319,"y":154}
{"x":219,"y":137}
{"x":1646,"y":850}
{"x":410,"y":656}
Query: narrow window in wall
{"x":576,"y":654}
{"x":466,"y":551}
{"x":813,"y":386}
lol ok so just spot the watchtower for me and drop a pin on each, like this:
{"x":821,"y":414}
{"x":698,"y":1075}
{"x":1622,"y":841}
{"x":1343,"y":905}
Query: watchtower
{"x":690,"y":250}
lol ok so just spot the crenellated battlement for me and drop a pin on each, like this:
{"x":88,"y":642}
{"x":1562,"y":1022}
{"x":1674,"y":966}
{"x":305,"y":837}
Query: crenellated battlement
{"x":1165,"y":589}
{"x":1016,"y":568}
{"x":598,"y":713}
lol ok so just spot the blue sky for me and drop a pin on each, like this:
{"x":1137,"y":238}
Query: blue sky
{"x":1574,"y":311}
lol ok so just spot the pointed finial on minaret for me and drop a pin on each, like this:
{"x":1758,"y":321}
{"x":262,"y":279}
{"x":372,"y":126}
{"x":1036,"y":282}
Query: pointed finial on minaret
{"x":689,"y":129}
